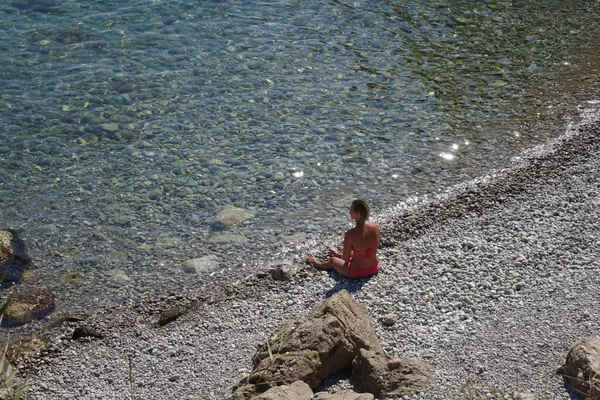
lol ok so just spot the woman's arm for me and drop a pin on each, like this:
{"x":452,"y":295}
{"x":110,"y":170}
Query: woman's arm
{"x":347,"y":253}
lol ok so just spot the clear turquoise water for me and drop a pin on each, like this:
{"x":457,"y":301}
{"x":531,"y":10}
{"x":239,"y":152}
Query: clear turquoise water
{"x":127,"y":126}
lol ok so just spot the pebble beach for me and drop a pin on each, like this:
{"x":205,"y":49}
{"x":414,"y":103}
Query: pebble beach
{"x":490,"y":282}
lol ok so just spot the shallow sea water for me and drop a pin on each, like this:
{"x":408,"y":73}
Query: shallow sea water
{"x":128,"y":126}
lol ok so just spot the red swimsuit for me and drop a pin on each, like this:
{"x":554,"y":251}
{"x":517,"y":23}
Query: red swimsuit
{"x":364,"y":273}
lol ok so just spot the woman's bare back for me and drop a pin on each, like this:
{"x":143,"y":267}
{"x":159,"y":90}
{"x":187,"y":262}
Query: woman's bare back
{"x":362,"y":241}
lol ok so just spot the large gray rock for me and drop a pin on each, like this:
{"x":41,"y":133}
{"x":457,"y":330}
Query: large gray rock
{"x":386,"y":377}
{"x":296,"y":391}
{"x":311,"y":348}
{"x":581,"y":367}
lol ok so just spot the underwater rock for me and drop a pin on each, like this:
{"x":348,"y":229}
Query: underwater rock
{"x":27,"y":306}
{"x":25,"y":348}
{"x":231,"y":216}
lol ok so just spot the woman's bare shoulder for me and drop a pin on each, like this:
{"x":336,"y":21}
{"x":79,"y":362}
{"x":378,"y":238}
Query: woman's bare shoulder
{"x":352,"y":232}
{"x":373,"y":226}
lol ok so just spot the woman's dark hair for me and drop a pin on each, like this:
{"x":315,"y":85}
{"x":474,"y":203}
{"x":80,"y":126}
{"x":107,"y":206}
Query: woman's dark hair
{"x":361,"y":207}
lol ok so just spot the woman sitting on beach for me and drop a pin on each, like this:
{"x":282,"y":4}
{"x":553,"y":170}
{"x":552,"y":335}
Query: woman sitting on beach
{"x":359,"y":257}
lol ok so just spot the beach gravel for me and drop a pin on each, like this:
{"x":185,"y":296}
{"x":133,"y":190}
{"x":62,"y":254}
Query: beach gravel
{"x":490,"y":282}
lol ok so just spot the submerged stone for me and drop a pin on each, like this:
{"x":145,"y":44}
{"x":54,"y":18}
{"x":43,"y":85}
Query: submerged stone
{"x":228,"y":238}
{"x":30,"y":305}
{"x":464,"y":20}
{"x":24,"y":348}
{"x":231,"y":216}
{"x":201,"y":265}
{"x":73,"y":278}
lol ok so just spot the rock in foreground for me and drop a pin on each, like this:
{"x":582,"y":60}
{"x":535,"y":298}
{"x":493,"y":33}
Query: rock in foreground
{"x":387,"y":377}
{"x":296,"y":391}
{"x":311,"y":348}
{"x":582,"y":367}
{"x":301,"y":391}
{"x":327,"y":340}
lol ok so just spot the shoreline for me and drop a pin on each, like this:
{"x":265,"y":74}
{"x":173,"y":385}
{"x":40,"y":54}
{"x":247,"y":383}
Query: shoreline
{"x":491,"y":283}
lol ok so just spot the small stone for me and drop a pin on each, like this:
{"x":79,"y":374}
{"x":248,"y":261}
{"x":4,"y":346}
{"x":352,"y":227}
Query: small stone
{"x":201,"y":265}
{"x":171,"y":315}
{"x":389,"y":319}
{"x":278,"y":176}
{"x":119,"y":276}
{"x":464,"y":20}
{"x":111,"y":127}
{"x":49,"y":229}
{"x":298,"y":237}
{"x":30,"y":278}
{"x":231,"y":216}
{"x":283,"y":272}
{"x":165,"y":242}
{"x":73,"y":278}
{"x":86,"y":331}
{"x":228,"y":238}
